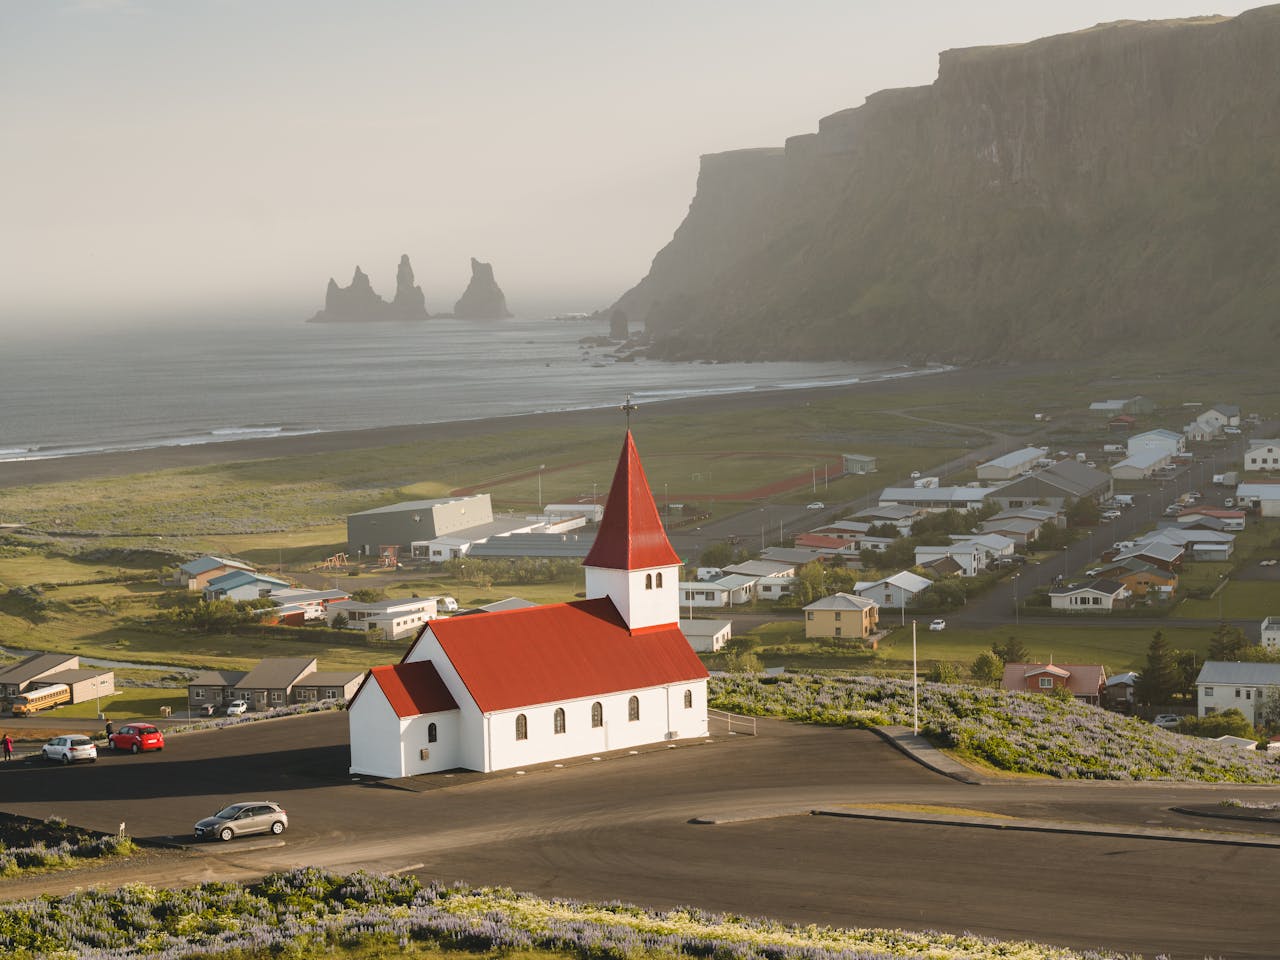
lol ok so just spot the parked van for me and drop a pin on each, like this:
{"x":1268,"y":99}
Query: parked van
{"x":1113,"y":448}
{"x":1123,"y":545}
{"x":1081,"y":458}
{"x":1123,"y":500}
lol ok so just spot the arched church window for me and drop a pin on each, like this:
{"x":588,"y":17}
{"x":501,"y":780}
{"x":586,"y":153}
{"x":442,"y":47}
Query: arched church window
{"x":522,"y":727}
{"x":659,"y":580}
{"x":597,"y":714}
{"x":633,"y":709}
{"x":688,"y":699}
{"x":559,"y":720}
{"x":431,"y":733}
{"x":648,"y":581}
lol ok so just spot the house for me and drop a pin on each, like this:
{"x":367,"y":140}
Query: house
{"x":1199,"y":544}
{"x":390,"y":531}
{"x":314,"y":604}
{"x":1218,"y":416}
{"x":1142,"y":578}
{"x":934,"y":499}
{"x":1141,"y":464}
{"x":590,"y":512}
{"x":772,"y":588}
{"x":899,"y":590}
{"x":1096,"y":596}
{"x":901,"y":516}
{"x":730,"y":590}
{"x":1270,"y":636}
{"x":761,"y":568}
{"x":1086,"y":681}
{"x":857,"y":463}
{"x":84,"y":683}
{"x":397,"y":619}
{"x":1158,"y":553}
{"x":1165,"y":440}
{"x":497,"y":691}
{"x":1054,"y":487}
{"x":941,"y":567}
{"x":792,"y":556}
{"x":1261,"y":497}
{"x":242,"y":585}
{"x":217,"y":687}
{"x":844,"y":529}
{"x":271,"y":682}
{"x":1020,"y":530}
{"x":1262,"y":455}
{"x":196,"y":574}
{"x":971,"y":557}
{"x":1010,"y":465}
{"x":1123,"y":423}
{"x":993,"y":545}
{"x":327,"y":685}
{"x":1222,"y":685}
{"x":1118,"y":693}
{"x":841,"y":615}
{"x":1228,"y":520}
{"x":825,"y":544}
{"x":17,"y":677}
{"x":707,"y":636}
{"x":572,"y":546}
{"x":1131,"y":406}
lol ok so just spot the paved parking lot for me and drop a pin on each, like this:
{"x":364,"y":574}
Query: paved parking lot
{"x":620,"y":828}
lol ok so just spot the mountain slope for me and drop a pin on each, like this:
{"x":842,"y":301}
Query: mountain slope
{"x":1119,"y":186}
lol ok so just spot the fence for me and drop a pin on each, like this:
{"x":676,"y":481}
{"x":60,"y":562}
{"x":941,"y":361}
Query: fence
{"x":745,"y":725}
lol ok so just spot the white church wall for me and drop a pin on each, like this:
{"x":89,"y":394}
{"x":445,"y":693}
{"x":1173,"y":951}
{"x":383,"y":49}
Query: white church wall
{"x":375,"y":734}
{"x":469,"y":738}
{"x":648,"y":606}
{"x":690,"y":721}
{"x":415,"y":735}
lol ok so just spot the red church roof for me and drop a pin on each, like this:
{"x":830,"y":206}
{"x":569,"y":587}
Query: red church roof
{"x":412,"y":689}
{"x":631,"y":536}
{"x":561,"y":651}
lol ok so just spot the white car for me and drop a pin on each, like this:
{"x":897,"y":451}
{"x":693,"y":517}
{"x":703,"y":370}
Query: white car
{"x":938,"y":624}
{"x":236,"y":707}
{"x":70,"y":749}
{"x":915,"y":474}
{"x":816,"y":505}
{"x":1111,"y":514}
{"x":1267,"y":563}
{"x":1166,"y":721}
{"x":1094,"y":572}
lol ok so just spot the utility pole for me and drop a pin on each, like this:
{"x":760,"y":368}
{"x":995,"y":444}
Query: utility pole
{"x":915,"y":683}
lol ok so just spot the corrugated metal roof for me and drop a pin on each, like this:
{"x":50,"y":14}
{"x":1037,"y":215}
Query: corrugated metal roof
{"x":1245,"y":674}
{"x":416,"y":504}
{"x":36,"y":664}
{"x":631,"y":536}
{"x":561,"y":651}
{"x":276,"y":673}
{"x":411,"y":689}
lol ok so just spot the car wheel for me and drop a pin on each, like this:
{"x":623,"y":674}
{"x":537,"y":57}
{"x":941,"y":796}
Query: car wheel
{"x":66,"y":759}
{"x":135,"y":748}
{"x":227,"y":833}
{"x":277,"y":827}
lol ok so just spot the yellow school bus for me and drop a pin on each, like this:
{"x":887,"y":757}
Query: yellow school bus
{"x":42,"y":698}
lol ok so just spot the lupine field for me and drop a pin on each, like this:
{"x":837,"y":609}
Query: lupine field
{"x":1021,"y":733}
{"x":307,"y":911}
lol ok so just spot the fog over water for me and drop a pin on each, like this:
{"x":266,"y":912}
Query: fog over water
{"x":188,"y":163}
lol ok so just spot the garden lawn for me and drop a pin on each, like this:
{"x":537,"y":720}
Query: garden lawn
{"x":1016,"y":732}
{"x":1241,"y":600}
{"x":129,"y":703}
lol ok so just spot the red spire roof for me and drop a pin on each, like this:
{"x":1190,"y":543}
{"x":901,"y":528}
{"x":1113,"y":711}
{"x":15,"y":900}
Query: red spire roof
{"x":631,"y":535}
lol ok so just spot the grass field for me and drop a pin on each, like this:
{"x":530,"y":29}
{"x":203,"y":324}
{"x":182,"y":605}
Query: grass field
{"x":129,"y":703}
{"x":1239,"y":599}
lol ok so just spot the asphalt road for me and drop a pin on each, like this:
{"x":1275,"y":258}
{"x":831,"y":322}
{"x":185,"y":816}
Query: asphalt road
{"x":620,"y":828}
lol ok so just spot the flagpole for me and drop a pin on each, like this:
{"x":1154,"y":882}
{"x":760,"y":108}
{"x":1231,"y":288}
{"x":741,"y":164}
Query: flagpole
{"x":915,"y":698}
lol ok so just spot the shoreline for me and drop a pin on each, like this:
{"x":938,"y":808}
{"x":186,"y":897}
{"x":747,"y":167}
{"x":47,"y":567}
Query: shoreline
{"x":19,"y":473}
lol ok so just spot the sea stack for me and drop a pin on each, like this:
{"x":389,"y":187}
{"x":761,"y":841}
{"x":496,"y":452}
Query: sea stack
{"x":358,"y":303}
{"x":618,"y":325}
{"x":409,"y":302}
{"x":483,"y":299}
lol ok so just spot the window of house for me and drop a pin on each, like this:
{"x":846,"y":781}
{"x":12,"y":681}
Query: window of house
{"x":1248,"y":694}
{"x":1237,"y":693}
{"x":837,"y":616}
{"x":597,"y":714}
{"x":658,"y":580}
{"x":837,"y":631}
{"x":633,"y":709}
{"x":808,"y":615}
{"x":1208,"y":691}
{"x":648,"y":581}
{"x":197,"y":693}
{"x":431,"y":733}
{"x":277,"y":696}
{"x":688,"y":699}
{"x":330,"y":694}
{"x":522,"y":727}
{"x":1046,"y":683}
{"x":559,"y":720}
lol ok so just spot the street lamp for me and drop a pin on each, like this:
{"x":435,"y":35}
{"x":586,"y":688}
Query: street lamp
{"x":1064,"y":563}
{"x":1014,"y":580}
{"x":915,"y":698}
{"x":541,"y":467}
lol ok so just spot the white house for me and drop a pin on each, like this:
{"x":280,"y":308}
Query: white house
{"x":771,"y":588}
{"x":1262,"y":497}
{"x":1222,"y":685}
{"x":727,"y":591}
{"x":971,"y":557}
{"x":934,"y":498}
{"x":1271,"y":633}
{"x":992,"y":545}
{"x":707,"y":636}
{"x":1141,"y":464}
{"x":312,"y":603}
{"x":897,"y":591}
{"x":494,"y":691}
{"x":1165,"y":440}
{"x":1098,"y":595}
{"x":243,"y":585}
{"x":1263,"y":455}
{"x":397,"y":619}
{"x":1011,"y":464}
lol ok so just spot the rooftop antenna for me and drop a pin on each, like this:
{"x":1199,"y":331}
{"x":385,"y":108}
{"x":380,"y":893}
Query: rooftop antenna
{"x":626,"y":408}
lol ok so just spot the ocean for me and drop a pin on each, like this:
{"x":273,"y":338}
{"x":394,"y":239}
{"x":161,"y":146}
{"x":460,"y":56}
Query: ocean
{"x":134,"y":389}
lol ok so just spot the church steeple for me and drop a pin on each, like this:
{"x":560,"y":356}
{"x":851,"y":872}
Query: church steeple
{"x":632,"y":562}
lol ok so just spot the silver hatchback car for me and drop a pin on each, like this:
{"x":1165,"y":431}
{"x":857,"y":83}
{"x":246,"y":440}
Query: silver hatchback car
{"x":70,"y":749}
{"x":250,"y":816}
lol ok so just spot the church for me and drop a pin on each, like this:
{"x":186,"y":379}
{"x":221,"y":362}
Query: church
{"x":493,"y":691}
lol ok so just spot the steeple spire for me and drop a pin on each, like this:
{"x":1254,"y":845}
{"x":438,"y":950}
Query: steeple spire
{"x":631,"y":536}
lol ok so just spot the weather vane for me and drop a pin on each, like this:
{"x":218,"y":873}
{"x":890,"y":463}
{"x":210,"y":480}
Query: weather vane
{"x":627,"y":407}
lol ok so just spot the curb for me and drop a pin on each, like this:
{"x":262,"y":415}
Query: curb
{"x":925,"y":754}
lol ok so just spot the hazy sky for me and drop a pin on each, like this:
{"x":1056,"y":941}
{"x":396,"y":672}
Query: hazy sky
{"x":194,"y":159}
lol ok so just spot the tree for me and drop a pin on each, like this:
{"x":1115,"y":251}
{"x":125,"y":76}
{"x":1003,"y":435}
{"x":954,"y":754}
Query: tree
{"x":889,"y":531}
{"x":1228,"y":723}
{"x":943,"y":671}
{"x":742,"y":662}
{"x":987,"y":668}
{"x":1083,"y":513}
{"x":1189,"y":663}
{"x":368,"y":595}
{"x":340,"y":621}
{"x":1160,"y":678}
{"x":1268,"y":710}
{"x":1227,"y":643}
{"x":1012,"y":650}
{"x":943,"y":595}
{"x":719,"y":554}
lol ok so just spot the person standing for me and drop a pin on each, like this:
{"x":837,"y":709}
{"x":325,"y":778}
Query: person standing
{"x":8,"y":748}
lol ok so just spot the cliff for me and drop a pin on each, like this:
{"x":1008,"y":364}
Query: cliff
{"x":358,"y":303}
{"x":483,"y":299}
{"x":1114,"y":187}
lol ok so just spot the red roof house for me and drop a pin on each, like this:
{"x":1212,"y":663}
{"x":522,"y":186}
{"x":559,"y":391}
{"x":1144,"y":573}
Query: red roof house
{"x":492,"y":691}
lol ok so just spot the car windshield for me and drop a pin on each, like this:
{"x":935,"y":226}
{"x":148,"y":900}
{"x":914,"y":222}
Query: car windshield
{"x":80,"y":741}
{"x":230,"y":812}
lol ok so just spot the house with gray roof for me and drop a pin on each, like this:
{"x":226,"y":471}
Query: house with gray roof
{"x":1097,"y":596}
{"x":17,"y":677}
{"x":271,"y":682}
{"x":196,"y":574}
{"x":1054,"y":487}
{"x":571,"y":546}
{"x":1009,"y":465}
{"x":934,"y":498}
{"x":216,"y":687}
{"x":243,"y":585}
{"x":391,"y":530}
{"x":1222,"y":685}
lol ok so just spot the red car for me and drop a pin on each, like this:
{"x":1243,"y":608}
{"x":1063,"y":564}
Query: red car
{"x":137,"y":737}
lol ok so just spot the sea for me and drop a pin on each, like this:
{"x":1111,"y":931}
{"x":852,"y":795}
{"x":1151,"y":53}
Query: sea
{"x":66,"y":394}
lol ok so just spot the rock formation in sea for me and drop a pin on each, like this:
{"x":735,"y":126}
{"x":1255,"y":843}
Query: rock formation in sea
{"x":1107,"y":190}
{"x":618,"y":325}
{"x":358,"y":303}
{"x":483,"y":299}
